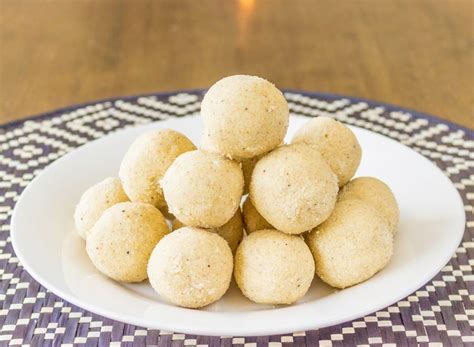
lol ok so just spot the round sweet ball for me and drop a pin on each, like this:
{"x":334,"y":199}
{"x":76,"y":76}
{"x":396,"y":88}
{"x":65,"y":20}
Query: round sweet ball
{"x":247,"y":168}
{"x":352,"y":245}
{"x":176,"y":224}
{"x":207,"y":144}
{"x":203,"y":189}
{"x":336,"y":143}
{"x":245,"y":116}
{"x":147,"y":160}
{"x":120,"y":243}
{"x":293,"y":188}
{"x":247,"y":164}
{"x":232,"y":231}
{"x":191,"y":267}
{"x":376,"y":193}
{"x":273,"y":268}
{"x":95,"y":201}
{"x":253,"y":220}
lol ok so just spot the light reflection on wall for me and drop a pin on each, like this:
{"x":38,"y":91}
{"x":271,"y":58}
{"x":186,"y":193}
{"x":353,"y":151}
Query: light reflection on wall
{"x":246,"y":9}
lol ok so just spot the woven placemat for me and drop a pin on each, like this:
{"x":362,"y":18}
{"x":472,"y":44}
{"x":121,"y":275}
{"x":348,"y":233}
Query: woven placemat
{"x":440,"y":313}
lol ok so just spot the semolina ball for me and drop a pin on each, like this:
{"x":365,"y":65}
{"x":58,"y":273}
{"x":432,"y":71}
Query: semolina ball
{"x":336,"y":143}
{"x":232,"y":231}
{"x":247,"y":164}
{"x":191,"y":267}
{"x":121,"y":241}
{"x":352,"y":245}
{"x":207,"y":144}
{"x":247,"y":169}
{"x":203,"y":189}
{"x":147,"y":160}
{"x":95,"y":201}
{"x":244,"y":116}
{"x":273,"y":268}
{"x":293,"y":188}
{"x":253,"y":220}
{"x":376,"y":193}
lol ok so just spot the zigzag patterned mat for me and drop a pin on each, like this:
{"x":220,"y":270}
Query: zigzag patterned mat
{"x":441,"y":313}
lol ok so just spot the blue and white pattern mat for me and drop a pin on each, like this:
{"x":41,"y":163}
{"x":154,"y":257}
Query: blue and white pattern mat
{"x":439,"y":314}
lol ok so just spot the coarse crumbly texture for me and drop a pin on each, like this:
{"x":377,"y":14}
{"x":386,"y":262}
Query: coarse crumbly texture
{"x":253,"y":220}
{"x":336,"y":143}
{"x":95,"y":201}
{"x":247,"y":168}
{"x":273,"y":268}
{"x":376,"y":193}
{"x":247,"y":164}
{"x":293,"y":188}
{"x":352,"y":245}
{"x":207,"y":144}
{"x":203,"y":189}
{"x":244,"y":116}
{"x":120,"y":243}
{"x":191,"y":267}
{"x":147,"y":160}
{"x":232,"y":231}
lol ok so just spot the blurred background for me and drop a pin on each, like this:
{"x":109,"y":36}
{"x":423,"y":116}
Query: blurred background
{"x":417,"y":54}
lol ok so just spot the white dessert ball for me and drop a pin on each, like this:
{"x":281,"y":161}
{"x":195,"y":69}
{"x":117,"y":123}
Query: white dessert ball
{"x":244,"y":116}
{"x":376,"y":193}
{"x":207,"y":144}
{"x":232,"y":231}
{"x":337,"y":144}
{"x":247,"y":164}
{"x":253,"y":220}
{"x":247,"y":169}
{"x":293,"y":188}
{"x":203,"y":189}
{"x":95,"y":201}
{"x":191,"y":267}
{"x":147,"y":160}
{"x":273,"y":268}
{"x":352,"y":245}
{"x":121,"y":241}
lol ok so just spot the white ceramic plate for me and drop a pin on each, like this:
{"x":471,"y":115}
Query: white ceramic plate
{"x":43,"y":235}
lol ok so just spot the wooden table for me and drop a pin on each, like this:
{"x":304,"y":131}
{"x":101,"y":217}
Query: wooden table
{"x":417,"y":54}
